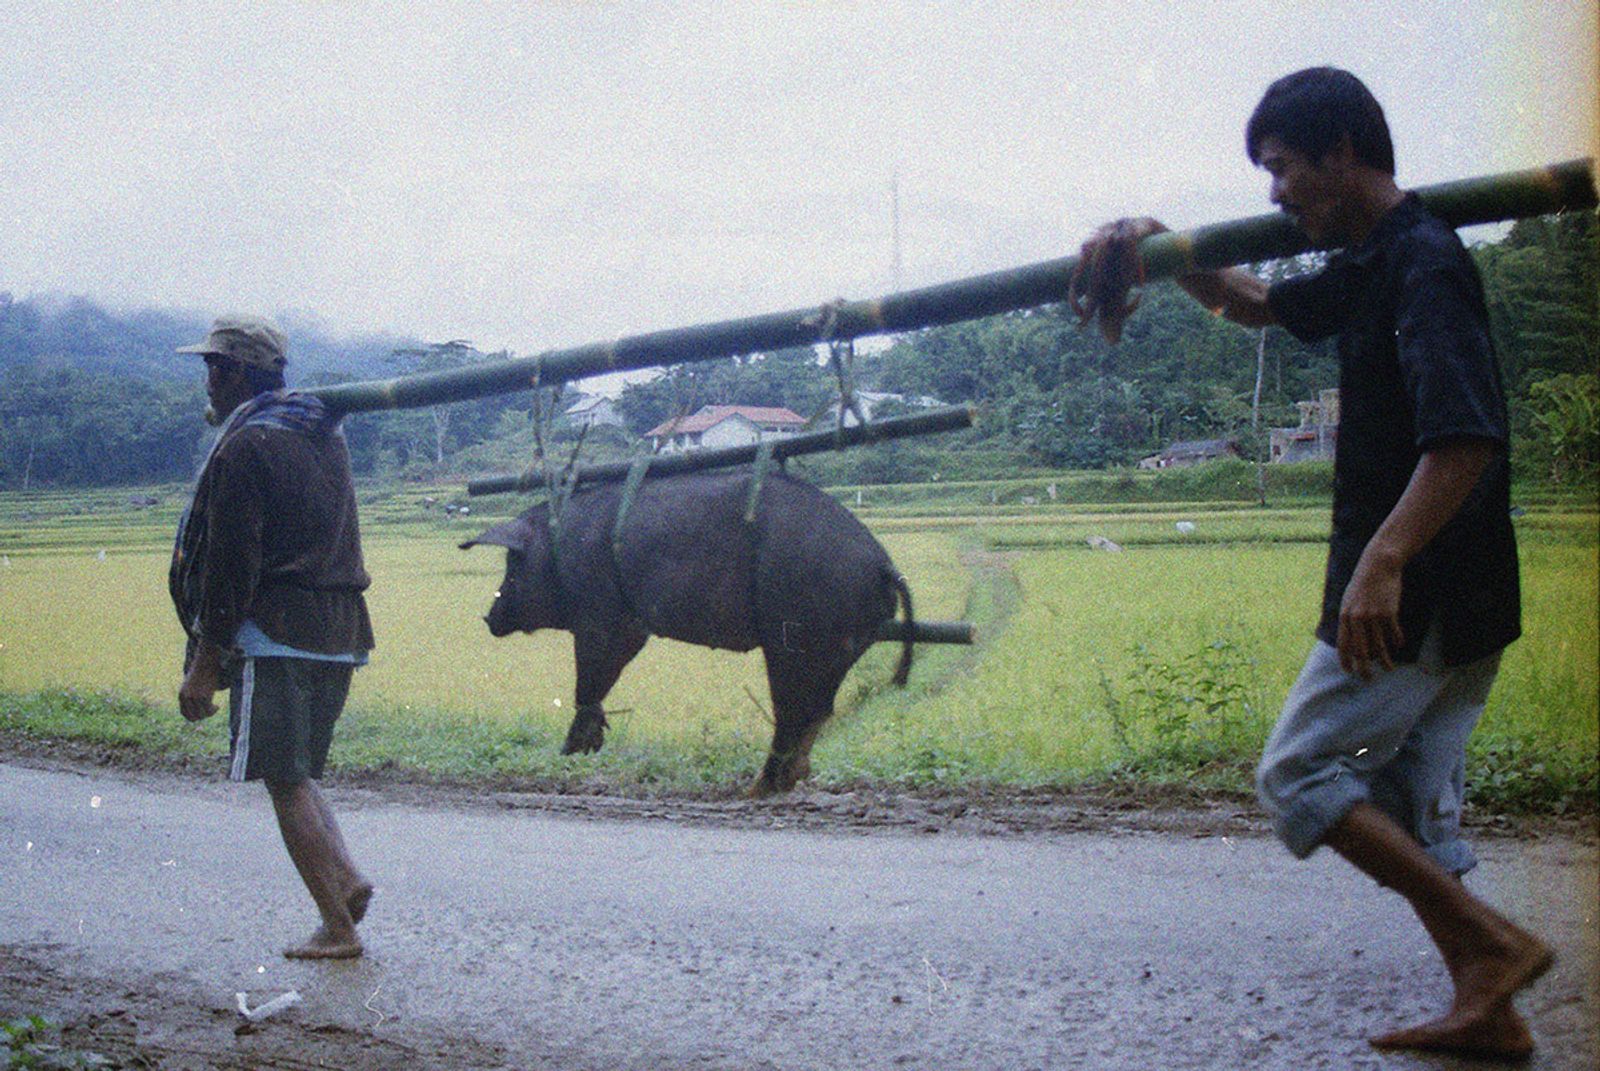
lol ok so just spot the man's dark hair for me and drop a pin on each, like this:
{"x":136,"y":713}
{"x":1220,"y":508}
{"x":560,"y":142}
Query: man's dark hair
{"x":1311,"y":111}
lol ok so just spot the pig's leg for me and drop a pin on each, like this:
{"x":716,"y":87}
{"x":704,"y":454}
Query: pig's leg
{"x":802,"y":699}
{"x":601,"y":657}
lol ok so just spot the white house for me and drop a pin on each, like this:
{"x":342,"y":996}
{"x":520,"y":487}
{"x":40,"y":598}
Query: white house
{"x":593,"y":409}
{"x":725,"y":425}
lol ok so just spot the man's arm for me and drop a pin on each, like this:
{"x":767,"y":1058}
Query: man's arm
{"x":1369,"y":616}
{"x":1229,"y":292}
{"x":228,"y":577}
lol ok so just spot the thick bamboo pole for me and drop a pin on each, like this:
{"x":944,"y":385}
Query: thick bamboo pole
{"x":1514,"y":195}
{"x":951,"y":419}
{"x":961,"y":632}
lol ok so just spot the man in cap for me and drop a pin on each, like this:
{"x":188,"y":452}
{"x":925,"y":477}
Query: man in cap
{"x":1421,"y":592}
{"x":267,"y":577}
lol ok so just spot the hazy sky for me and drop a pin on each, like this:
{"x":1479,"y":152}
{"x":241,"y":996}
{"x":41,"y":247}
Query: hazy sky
{"x":528,"y":175}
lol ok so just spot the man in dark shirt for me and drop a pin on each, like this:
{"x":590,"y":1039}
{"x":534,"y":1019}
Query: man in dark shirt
{"x":267,"y":578}
{"x":1421,"y":588}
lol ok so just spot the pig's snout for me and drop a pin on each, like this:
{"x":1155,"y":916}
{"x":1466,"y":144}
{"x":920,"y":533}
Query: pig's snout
{"x":500,"y":620}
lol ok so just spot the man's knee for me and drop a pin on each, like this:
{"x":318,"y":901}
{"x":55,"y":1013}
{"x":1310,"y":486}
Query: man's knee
{"x":1306,"y":795}
{"x":283,"y":787}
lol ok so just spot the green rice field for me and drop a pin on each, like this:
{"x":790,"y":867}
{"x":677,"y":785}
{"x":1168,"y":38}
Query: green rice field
{"x":1162,"y":662}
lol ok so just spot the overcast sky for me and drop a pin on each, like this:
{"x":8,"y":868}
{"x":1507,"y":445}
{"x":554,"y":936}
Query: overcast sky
{"x":527,"y":175}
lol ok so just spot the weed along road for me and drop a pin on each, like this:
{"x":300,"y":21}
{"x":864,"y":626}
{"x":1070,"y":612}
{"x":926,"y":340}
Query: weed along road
{"x":509,"y":933}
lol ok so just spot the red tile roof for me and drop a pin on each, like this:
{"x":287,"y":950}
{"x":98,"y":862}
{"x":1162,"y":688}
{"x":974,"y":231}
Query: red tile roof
{"x":764,"y":416}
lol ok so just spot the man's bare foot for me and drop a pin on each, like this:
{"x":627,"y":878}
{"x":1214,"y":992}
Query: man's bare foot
{"x":1499,"y":1034}
{"x":356,"y":903}
{"x":324,"y":945}
{"x":1487,"y":973}
{"x":1481,"y":1021}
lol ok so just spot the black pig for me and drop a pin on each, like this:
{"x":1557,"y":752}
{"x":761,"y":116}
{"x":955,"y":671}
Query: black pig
{"x":803,"y":580}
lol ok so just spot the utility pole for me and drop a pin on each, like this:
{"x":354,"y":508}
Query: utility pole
{"x":1255,"y":416}
{"x":894,"y":232}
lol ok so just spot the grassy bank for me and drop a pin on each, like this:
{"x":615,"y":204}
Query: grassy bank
{"x":1165,"y":662}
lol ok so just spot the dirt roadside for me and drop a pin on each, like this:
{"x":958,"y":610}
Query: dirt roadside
{"x":1117,"y":807}
{"x":161,"y":1023}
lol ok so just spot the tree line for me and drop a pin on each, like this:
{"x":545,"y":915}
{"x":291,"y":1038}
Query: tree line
{"x":88,"y":396}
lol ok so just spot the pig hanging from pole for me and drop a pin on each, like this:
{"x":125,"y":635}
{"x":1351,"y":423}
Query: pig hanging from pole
{"x":730,"y":559}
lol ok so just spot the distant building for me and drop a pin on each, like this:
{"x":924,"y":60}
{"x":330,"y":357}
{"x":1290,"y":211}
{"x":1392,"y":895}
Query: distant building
{"x":1182,"y":455}
{"x":871,"y":399}
{"x":591,"y":410}
{"x":725,"y":425}
{"x":1317,"y":435}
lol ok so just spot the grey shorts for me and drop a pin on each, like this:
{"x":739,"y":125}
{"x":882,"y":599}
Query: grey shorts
{"x":280,"y":717}
{"x":1398,"y":741}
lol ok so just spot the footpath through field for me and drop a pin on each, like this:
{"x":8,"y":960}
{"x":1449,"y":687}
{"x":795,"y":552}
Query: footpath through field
{"x":510,"y":938}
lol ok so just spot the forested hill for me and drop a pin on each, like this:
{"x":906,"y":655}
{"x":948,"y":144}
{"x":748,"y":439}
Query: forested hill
{"x":77,"y":333}
{"x":92,"y":396}
{"x":89,"y":395}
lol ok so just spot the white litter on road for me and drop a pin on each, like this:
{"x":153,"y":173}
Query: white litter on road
{"x":270,"y":1008}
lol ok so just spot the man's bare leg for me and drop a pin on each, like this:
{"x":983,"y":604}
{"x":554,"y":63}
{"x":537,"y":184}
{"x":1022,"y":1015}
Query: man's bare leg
{"x":358,"y":890}
{"x":1489,"y":957}
{"x":315,"y":848}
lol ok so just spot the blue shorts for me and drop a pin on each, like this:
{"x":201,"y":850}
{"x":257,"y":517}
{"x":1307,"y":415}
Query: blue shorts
{"x":1398,"y":741}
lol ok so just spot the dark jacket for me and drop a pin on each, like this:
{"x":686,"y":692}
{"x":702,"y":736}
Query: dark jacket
{"x":272,"y":534}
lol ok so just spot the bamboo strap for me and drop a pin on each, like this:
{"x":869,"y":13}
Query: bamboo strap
{"x":841,"y":358}
{"x":630,"y":491}
{"x":758,"y":476}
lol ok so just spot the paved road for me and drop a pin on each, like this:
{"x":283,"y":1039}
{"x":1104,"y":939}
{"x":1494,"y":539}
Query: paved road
{"x":635,"y":944}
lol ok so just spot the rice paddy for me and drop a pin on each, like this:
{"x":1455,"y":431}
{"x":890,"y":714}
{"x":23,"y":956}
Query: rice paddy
{"x":1164,"y":661}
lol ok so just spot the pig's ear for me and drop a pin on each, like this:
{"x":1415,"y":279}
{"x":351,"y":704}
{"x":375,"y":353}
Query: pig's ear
{"x":513,"y":535}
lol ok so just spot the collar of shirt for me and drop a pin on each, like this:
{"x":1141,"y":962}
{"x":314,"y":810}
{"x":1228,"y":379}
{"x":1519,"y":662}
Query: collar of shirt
{"x":1395,"y":221}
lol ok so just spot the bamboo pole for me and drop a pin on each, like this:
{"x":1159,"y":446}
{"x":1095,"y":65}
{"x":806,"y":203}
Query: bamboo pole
{"x":961,"y":632}
{"x":1513,"y":195}
{"x":951,"y":419}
